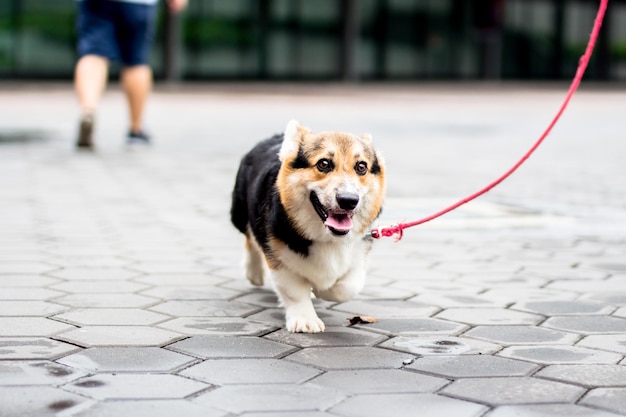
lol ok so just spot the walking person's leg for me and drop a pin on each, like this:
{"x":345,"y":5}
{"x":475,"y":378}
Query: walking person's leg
{"x":137,"y":84}
{"x":135,"y":40}
{"x":90,"y":77}
{"x":96,"y":47}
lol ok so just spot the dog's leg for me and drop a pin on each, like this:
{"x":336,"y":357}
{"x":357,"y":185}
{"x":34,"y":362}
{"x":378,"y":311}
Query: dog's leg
{"x":254,"y":261}
{"x":295,"y":294}
{"x":346,"y":287}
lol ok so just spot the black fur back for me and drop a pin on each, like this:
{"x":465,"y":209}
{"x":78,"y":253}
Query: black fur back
{"x":256,"y":202}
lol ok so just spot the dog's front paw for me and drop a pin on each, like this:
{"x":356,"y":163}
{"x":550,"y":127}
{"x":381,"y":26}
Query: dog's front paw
{"x":302,"y":324}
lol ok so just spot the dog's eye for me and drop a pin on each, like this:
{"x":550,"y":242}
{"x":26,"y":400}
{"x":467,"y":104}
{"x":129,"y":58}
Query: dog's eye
{"x":361,"y":168}
{"x":324,"y":165}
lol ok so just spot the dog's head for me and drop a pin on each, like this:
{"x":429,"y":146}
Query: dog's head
{"x":330,"y":183}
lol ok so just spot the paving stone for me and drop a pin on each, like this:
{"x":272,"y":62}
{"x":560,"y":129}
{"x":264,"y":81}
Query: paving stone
{"x":150,"y":408}
{"x":470,"y":366}
{"x":26,"y":268}
{"x":521,"y":335}
{"x":451,"y":299}
{"x":512,"y":294}
{"x":417,"y":326}
{"x":406,"y":405}
{"x":469,"y":267}
{"x":205,"y":308}
{"x":564,"y":307}
{"x":440,"y":345}
{"x":180,"y":279}
{"x":332,"y":336}
{"x":420,"y":286}
{"x":28,"y":293}
{"x":90,"y":336}
{"x":127,"y":359}
{"x":406,"y":275}
{"x":36,"y":373}
{"x":559,"y":273}
{"x":559,"y":354}
{"x":400,"y":264}
{"x":261,"y":298}
{"x":512,"y":390}
{"x":610,"y":399}
{"x":547,"y":410}
{"x":620,"y":313}
{"x":93,"y":300}
{"x":83,"y":249}
{"x":135,"y":386}
{"x":387,"y":308}
{"x":587,"y":324}
{"x":586,"y":375}
{"x":172,"y":267}
{"x":234,"y":326}
{"x":29,"y":308}
{"x":99,"y":287}
{"x":25,"y":280}
{"x":495,"y":280}
{"x":190,"y":293}
{"x":163,"y":255}
{"x":240,"y":284}
{"x":349,"y":358}
{"x":78,"y":261}
{"x":164,"y":210}
{"x":95,"y":274}
{"x":373,"y":292}
{"x":270,"y":397}
{"x":22,"y":255}
{"x":611,"y":266}
{"x":584,"y":286}
{"x":281,"y":414}
{"x":33,"y":348}
{"x":31,"y":326}
{"x":378,"y":381}
{"x":250,"y":371}
{"x":489,"y":316}
{"x":207,"y":347}
{"x":616,"y":298}
{"x":111,"y":317}
{"x":38,"y":402}
{"x":610,"y":342}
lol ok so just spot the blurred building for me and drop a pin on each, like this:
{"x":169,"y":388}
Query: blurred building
{"x":339,"y":39}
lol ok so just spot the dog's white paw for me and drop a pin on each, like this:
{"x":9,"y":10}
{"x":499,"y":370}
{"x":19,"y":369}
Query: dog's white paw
{"x":302,"y":324}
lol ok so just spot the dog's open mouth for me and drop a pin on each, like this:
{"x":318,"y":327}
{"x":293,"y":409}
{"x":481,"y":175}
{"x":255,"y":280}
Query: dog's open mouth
{"x":338,"y":221}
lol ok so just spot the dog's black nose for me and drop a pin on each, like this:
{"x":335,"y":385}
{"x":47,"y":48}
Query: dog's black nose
{"x":347,"y":201}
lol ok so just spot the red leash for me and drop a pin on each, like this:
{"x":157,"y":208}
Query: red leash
{"x":582,"y":66}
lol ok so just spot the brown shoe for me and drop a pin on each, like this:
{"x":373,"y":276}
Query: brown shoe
{"x":85,"y":132}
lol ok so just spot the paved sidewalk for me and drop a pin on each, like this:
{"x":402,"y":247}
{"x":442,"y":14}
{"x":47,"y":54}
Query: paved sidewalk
{"x":122,"y":294}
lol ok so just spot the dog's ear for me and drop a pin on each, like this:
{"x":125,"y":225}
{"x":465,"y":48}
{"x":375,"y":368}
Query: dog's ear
{"x":292,"y":139}
{"x":367,"y":138}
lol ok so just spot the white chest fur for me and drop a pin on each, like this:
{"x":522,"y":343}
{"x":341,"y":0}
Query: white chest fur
{"x":328,"y":262}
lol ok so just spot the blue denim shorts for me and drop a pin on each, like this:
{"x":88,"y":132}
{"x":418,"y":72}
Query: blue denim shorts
{"x":117,"y":30}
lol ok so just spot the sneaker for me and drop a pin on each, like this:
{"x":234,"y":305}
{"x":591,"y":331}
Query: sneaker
{"x":85,"y":132}
{"x":137,"y":138}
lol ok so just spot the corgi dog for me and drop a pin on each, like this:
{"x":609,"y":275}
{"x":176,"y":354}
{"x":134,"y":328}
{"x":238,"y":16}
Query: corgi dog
{"x":305,"y":202}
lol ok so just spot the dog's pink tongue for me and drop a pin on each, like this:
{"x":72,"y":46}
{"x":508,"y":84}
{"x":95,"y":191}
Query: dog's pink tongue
{"x":340,"y":222}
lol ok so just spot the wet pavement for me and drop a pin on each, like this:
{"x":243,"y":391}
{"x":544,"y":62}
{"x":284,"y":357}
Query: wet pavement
{"x":122,"y":291}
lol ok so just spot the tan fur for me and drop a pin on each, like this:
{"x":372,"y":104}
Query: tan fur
{"x":345,"y":150}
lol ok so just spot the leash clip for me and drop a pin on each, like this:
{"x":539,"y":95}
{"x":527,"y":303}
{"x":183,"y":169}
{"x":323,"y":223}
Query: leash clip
{"x":388,"y":231}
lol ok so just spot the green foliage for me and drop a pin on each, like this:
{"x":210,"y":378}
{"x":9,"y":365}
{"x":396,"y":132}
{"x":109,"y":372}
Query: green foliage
{"x":59,"y":26}
{"x":206,"y":31}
